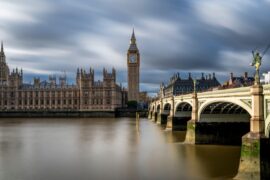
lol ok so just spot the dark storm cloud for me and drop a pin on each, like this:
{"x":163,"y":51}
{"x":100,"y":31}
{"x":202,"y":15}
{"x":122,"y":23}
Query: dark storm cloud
{"x":49,"y":37}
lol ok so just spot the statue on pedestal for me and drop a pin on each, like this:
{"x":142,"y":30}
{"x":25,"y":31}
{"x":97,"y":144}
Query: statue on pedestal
{"x":257,"y":60}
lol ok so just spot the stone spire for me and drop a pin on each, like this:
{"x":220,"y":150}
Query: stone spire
{"x":2,"y":53}
{"x":2,"y":47}
{"x":133,"y":38}
{"x":3,"y":66}
{"x":133,"y":45}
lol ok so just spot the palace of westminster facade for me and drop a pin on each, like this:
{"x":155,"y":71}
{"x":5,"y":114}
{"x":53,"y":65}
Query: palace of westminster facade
{"x":86,"y":95}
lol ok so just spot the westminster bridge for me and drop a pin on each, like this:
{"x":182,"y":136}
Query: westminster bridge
{"x":230,"y":116}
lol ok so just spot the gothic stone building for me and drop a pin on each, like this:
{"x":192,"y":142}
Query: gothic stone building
{"x":86,"y":95}
{"x":177,"y":85}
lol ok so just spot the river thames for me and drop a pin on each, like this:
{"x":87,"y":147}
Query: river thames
{"x":106,"y":148}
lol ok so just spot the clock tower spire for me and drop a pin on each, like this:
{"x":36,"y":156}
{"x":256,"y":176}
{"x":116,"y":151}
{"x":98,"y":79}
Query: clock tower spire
{"x":133,"y":45}
{"x":133,"y":65}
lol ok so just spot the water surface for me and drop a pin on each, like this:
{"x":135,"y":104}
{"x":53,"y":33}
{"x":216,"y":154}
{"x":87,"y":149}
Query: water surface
{"x":122,"y":148}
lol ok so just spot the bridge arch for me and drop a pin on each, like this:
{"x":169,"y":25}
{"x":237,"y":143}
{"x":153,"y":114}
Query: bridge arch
{"x":182,"y":114}
{"x":158,"y":108}
{"x":166,"y":109}
{"x":183,"y":107}
{"x":267,"y":132}
{"x":223,"y":122}
{"x":232,"y":101}
{"x":179,"y":104}
{"x":267,"y":126}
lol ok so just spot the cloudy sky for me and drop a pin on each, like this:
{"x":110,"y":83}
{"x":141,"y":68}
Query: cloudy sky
{"x":53,"y":36}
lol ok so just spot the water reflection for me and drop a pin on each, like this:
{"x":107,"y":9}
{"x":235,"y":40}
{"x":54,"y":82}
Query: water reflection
{"x":33,"y":149}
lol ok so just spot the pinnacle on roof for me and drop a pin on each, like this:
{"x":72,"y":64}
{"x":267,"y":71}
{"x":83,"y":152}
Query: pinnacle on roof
{"x":2,"y":47}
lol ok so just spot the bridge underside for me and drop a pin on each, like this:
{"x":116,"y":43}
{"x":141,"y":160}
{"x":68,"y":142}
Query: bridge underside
{"x":154,"y":116}
{"x":180,"y":123}
{"x":182,"y":115}
{"x":162,"y":119}
{"x":222,"y":123}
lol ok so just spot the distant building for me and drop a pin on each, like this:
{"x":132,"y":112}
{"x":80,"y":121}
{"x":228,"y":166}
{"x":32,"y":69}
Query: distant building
{"x":266,"y":78}
{"x":86,"y":95}
{"x":143,"y":97}
{"x":240,"y":81}
{"x":178,"y":86}
{"x":144,"y":100}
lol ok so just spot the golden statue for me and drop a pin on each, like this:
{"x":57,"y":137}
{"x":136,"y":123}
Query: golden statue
{"x":257,"y":60}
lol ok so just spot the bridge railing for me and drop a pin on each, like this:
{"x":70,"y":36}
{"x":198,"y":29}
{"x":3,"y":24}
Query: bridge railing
{"x":266,"y":89}
{"x":226,"y":92}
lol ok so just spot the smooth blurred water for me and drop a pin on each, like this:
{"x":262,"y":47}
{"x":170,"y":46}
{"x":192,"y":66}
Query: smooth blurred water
{"x":122,"y":148}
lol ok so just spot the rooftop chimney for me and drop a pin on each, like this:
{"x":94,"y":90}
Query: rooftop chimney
{"x":203,"y":76}
{"x":246,"y":75}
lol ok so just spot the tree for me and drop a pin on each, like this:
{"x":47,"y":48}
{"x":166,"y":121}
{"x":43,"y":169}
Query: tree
{"x":132,"y":104}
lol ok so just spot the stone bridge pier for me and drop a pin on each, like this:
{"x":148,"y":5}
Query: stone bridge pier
{"x":152,"y":113}
{"x":254,"y":163}
{"x":164,"y":113}
{"x":191,"y":124}
{"x":160,"y":112}
{"x":170,"y":117}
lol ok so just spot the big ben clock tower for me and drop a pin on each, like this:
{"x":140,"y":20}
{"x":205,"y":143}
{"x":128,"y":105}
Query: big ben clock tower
{"x":133,"y":63}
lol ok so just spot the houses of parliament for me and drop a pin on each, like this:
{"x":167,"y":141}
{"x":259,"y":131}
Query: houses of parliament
{"x":57,"y":95}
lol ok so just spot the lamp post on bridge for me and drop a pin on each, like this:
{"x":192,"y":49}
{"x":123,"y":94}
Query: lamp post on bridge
{"x":194,"y":115}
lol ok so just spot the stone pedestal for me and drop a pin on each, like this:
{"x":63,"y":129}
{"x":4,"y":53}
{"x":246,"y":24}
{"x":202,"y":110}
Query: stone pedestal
{"x":191,"y":134}
{"x":191,"y":124}
{"x":159,"y":118}
{"x":250,"y":162}
{"x":149,"y":115}
{"x":169,"y":124}
{"x":153,"y":118}
{"x":257,"y":119}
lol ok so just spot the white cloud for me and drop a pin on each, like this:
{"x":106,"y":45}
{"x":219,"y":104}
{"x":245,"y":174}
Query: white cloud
{"x":28,"y":70}
{"x":40,"y":52}
{"x":235,"y":60}
{"x":102,"y":50}
{"x":225,"y":14}
{"x":46,"y":37}
{"x":22,"y":11}
{"x":158,"y":29}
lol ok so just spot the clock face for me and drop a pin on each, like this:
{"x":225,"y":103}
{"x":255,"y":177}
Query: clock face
{"x":133,"y":58}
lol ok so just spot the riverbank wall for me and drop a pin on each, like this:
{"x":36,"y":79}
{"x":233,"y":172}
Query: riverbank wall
{"x":73,"y":114}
